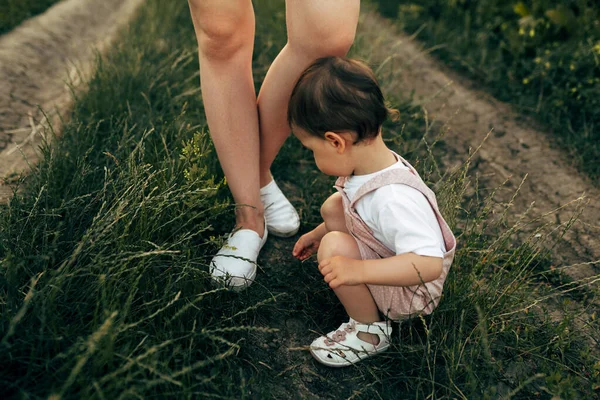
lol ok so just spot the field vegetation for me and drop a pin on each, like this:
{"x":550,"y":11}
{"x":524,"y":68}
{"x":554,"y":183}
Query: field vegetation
{"x":543,"y":56}
{"x":104,"y":252}
{"x":13,"y":12}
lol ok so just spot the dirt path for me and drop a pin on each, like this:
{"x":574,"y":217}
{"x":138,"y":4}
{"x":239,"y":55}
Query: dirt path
{"x":37,"y":60}
{"x":514,"y":149}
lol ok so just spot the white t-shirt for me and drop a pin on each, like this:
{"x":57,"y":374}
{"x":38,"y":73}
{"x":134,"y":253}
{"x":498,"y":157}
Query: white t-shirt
{"x":399,"y":216}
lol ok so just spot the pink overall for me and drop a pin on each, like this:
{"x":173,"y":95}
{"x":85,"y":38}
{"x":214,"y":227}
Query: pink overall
{"x":397,"y":302}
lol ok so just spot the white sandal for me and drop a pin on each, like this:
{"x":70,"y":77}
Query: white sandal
{"x":280,"y":215}
{"x":342,"y":347}
{"x":235,"y":263}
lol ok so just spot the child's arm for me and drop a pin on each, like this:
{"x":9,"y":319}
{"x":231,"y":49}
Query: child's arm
{"x":309,"y":243}
{"x":402,"y":270}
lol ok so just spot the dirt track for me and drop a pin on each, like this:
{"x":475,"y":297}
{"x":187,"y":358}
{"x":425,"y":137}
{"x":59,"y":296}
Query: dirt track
{"x":38,"y":60}
{"x":515,"y":148}
{"x":41,"y":55}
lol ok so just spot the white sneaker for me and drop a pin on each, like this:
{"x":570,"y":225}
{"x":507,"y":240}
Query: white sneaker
{"x":280,"y":215}
{"x":343,"y":347}
{"x":235,"y":263}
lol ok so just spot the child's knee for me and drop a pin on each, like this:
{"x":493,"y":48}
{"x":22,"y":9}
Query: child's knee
{"x":335,"y":244}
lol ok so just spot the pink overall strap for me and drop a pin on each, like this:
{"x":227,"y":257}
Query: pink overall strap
{"x":359,"y":229}
{"x":406,"y":177}
{"x":402,"y":176}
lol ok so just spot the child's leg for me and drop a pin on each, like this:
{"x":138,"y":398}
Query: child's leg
{"x":357,"y":299}
{"x":332,"y":212}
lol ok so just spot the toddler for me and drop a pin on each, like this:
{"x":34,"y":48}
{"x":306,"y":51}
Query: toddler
{"x":383,"y":246}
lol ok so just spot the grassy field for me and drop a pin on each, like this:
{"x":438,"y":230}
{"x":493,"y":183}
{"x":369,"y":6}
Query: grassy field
{"x":104,"y":290}
{"x":542,"y":56}
{"x":13,"y":12}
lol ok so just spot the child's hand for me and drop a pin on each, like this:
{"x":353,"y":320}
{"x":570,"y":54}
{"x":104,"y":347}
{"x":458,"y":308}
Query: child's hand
{"x":339,"y":270}
{"x":306,"y":246}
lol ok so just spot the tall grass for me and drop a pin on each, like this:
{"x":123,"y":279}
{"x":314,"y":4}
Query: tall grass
{"x":13,"y":12}
{"x":542,"y":56}
{"x":104,"y":289}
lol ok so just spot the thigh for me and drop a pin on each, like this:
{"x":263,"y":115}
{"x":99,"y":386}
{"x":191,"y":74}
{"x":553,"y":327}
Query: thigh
{"x":322,"y":26}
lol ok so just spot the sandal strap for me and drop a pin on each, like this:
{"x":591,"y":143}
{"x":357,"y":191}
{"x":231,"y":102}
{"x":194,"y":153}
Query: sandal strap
{"x":380,"y":329}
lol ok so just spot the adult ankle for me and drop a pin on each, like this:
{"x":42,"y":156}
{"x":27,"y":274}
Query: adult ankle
{"x":250,"y":218}
{"x":265,"y":179}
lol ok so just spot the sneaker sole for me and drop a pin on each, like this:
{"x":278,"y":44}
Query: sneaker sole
{"x":283,"y":234}
{"x":336,"y":365}
{"x":237,"y":288}
{"x":247,"y":282}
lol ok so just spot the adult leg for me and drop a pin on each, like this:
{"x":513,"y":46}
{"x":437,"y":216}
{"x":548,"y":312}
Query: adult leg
{"x":357,"y":299}
{"x":225,"y":34}
{"x":316,"y":28}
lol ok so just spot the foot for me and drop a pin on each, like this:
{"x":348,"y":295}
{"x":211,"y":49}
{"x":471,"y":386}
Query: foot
{"x":235,"y":263}
{"x":280,"y":215}
{"x":343,"y":347}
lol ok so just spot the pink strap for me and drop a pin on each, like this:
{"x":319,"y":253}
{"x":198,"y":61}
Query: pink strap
{"x":405,"y":177}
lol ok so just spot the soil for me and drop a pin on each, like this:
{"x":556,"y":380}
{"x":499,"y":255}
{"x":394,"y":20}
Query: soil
{"x":41,"y":60}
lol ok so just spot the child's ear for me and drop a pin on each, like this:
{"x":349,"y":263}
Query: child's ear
{"x":337,"y":141}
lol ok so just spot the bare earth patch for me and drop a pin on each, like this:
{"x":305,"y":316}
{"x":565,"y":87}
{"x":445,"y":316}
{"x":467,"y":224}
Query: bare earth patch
{"x":515,"y":149}
{"x":39,"y":60}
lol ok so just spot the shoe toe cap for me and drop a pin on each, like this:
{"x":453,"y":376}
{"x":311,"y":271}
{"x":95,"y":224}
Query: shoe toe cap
{"x":280,"y":215}
{"x":232,"y":271}
{"x":286,"y":224}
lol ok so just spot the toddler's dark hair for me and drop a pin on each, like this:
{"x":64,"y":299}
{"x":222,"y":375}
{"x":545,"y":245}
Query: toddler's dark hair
{"x":338,"y":94}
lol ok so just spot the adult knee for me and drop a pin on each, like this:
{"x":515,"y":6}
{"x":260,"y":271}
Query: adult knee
{"x":221,"y":33}
{"x":218,"y":41}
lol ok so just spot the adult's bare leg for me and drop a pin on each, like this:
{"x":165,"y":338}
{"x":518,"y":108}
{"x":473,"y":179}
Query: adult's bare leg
{"x":225,"y":34}
{"x":316,"y":28}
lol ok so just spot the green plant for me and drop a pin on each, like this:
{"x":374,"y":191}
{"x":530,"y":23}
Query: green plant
{"x":542,"y":56}
{"x":13,"y":12}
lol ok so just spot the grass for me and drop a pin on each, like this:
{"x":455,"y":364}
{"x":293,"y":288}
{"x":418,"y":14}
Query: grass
{"x":104,"y":290}
{"x":13,"y":12}
{"x":541,"y":56}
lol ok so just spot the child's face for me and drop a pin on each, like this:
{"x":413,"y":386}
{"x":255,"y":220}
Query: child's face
{"x":330,"y":153}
